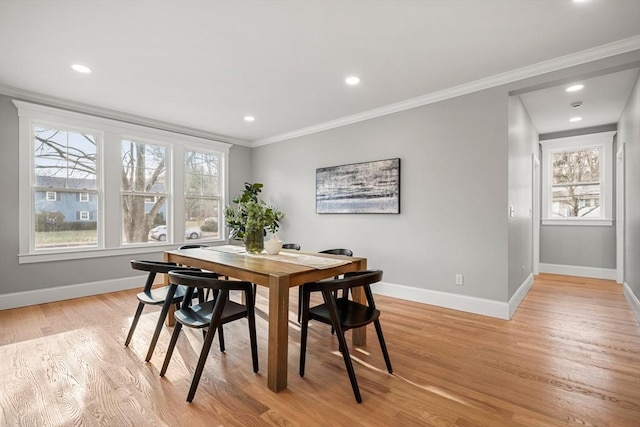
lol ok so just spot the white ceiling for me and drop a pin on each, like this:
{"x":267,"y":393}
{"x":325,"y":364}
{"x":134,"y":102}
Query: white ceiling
{"x":207,"y":64}
{"x":602,"y":101}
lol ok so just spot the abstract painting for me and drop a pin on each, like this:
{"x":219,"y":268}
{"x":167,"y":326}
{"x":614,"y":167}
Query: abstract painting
{"x":369,"y":187}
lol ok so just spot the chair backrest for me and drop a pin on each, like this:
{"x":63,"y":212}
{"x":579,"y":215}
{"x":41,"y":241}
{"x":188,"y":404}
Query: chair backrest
{"x":339,"y":251}
{"x":153,"y":266}
{"x":207,"y":280}
{"x":291,"y":246}
{"x":350,"y":280}
{"x":157,"y":267}
{"x":191,"y":247}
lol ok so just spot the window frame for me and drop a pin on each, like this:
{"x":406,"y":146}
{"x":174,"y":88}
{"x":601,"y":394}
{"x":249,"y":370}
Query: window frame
{"x":602,"y":141}
{"x":108,"y":192}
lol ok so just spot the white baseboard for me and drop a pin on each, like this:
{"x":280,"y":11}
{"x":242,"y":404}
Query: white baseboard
{"x":576,"y":270}
{"x":466,"y":303}
{"x":59,"y":293}
{"x":634,"y":303}
{"x":518,"y":297}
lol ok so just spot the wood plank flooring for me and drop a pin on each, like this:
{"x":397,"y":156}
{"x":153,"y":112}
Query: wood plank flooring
{"x":569,"y":356}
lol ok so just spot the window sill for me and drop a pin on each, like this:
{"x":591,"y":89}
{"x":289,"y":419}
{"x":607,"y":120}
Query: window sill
{"x":84,"y":253}
{"x":578,"y":221}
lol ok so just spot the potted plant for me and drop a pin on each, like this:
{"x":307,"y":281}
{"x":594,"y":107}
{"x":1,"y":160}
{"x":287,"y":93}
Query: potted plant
{"x":250,"y":218}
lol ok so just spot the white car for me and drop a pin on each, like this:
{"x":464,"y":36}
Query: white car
{"x":160,"y":233}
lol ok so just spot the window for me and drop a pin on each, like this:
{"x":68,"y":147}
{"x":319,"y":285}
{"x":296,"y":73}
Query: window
{"x":577,"y":180}
{"x":144,"y":170}
{"x":202,"y":199}
{"x":64,"y":159}
{"x":102,"y":187}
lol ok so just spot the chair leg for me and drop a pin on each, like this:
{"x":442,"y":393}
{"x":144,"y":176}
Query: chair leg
{"x":349,"y":364}
{"x":136,"y":317}
{"x":206,"y":347}
{"x":251,"y":317}
{"x":383,"y":346}
{"x":221,"y":338}
{"x":300,"y":304}
{"x":172,"y":344}
{"x":159,"y":324}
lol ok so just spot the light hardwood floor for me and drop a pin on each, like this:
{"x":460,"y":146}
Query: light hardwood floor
{"x":569,"y":356}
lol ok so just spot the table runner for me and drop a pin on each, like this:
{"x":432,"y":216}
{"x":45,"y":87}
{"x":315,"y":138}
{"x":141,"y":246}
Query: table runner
{"x":316,"y":262}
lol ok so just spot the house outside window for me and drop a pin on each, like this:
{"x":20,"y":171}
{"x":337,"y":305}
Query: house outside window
{"x":99,"y":187}
{"x":577,"y":180}
{"x":64,"y":159}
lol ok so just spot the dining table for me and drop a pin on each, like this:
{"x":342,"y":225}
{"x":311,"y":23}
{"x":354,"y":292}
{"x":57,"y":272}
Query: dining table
{"x":279,"y":273}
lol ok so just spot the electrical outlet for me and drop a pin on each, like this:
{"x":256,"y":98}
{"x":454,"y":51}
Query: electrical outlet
{"x":459,"y":279}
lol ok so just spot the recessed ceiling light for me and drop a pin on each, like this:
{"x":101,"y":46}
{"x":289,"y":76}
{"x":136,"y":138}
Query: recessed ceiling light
{"x":249,"y":118}
{"x":81,"y":68}
{"x":352,"y":80}
{"x":574,"y":88}
{"x":575,"y":119}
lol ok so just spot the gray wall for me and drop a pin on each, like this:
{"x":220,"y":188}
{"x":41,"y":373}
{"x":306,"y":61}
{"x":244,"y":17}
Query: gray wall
{"x":582,"y":246}
{"x":629,"y":135}
{"x":523,"y":142}
{"x":16,"y":277}
{"x":453,"y":193}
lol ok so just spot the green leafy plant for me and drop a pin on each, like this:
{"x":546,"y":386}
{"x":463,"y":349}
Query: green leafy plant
{"x":250,"y":213}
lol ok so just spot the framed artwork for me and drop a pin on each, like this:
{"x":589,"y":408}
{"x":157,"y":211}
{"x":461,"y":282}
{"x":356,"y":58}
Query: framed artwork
{"x":369,"y":187}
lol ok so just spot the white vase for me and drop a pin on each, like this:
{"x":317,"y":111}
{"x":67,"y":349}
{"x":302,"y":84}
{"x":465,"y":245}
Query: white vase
{"x":273,"y":245}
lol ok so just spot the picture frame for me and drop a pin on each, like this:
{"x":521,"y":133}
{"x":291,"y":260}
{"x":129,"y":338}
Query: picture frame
{"x":359,"y":188}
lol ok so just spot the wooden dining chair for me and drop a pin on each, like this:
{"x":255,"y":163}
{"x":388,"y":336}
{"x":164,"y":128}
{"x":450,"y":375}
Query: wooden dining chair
{"x":337,"y":251}
{"x":343,"y":314}
{"x":210,"y":315}
{"x":163,"y":295}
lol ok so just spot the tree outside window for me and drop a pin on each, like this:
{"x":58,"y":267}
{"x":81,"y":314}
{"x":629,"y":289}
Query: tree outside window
{"x":576,"y":183}
{"x":202,"y":192}
{"x":143,"y":177}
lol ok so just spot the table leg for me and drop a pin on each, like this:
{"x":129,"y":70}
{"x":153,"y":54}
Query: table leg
{"x":278,"y":332}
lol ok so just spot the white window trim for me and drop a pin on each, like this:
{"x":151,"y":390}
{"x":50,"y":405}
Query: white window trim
{"x":109,"y":195}
{"x":603,"y":141}
{"x":85,"y":214}
{"x":55,"y":196}
{"x":83,"y":197}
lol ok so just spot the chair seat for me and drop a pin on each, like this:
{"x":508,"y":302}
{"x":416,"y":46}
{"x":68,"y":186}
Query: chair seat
{"x":158,"y":296}
{"x":199,"y":316}
{"x":352,"y":314}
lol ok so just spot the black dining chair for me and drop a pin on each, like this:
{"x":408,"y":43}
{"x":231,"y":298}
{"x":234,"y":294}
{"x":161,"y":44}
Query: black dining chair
{"x":337,"y":251}
{"x":163,"y":295}
{"x":293,"y":246}
{"x":343,"y":314}
{"x":210,"y":315}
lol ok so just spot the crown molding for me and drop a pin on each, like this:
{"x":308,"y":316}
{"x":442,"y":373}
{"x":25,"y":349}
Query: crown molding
{"x":578,"y":58}
{"x":106,"y":113}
